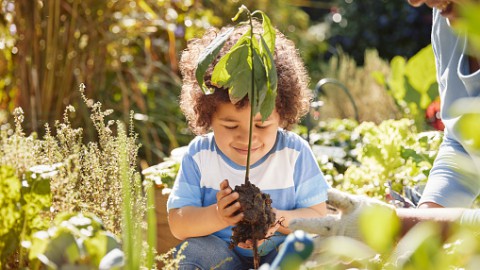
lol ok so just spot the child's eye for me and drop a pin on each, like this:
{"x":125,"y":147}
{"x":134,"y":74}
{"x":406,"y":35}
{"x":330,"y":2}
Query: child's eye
{"x":261,"y":127}
{"x":230,"y":127}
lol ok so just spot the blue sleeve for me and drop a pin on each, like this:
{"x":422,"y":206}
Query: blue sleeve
{"x":449,"y":184}
{"x":311,"y":186}
{"x":186,"y":189}
{"x":453,"y":180}
{"x":470,"y":217}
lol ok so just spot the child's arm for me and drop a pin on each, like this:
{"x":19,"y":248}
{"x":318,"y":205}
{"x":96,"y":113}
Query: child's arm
{"x":315,"y":211}
{"x":191,"y":221}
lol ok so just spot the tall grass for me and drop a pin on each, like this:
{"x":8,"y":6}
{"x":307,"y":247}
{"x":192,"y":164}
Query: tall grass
{"x":372,"y":100}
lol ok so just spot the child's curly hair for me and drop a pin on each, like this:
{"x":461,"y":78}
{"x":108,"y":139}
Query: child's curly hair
{"x":293,"y":96}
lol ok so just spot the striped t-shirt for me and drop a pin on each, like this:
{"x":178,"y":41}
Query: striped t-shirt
{"x":289,"y":173}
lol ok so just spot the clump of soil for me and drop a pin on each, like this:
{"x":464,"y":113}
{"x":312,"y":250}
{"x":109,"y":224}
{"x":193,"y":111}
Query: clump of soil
{"x":258,"y":217}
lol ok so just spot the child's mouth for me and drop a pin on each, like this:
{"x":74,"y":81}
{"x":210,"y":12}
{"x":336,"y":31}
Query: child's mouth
{"x":245,"y":151}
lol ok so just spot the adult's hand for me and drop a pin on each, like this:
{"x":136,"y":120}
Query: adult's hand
{"x":346,"y":222}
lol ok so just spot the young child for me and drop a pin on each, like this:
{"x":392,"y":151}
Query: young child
{"x":202,"y":205}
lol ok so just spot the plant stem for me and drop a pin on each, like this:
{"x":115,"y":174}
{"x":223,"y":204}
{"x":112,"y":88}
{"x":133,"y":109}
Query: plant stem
{"x":247,"y":173}
{"x":127,"y":211}
{"x":256,"y":258}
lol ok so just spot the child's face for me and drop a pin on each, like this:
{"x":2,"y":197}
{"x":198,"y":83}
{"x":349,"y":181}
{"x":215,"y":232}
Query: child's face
{"x":230,"y":127}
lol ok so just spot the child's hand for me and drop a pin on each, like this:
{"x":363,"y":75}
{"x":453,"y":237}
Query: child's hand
{"x":271,"y":231}
{"x":228,"y":208}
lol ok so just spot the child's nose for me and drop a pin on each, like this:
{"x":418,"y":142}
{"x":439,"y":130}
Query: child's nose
{"x":243,"y":134}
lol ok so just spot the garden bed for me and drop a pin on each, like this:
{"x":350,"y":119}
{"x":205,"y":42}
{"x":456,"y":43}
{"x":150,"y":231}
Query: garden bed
{"x":165,"y":239}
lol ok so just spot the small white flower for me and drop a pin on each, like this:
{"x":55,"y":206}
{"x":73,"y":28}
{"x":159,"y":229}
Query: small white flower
{"x":80,"y":220}
{"x":42,"y":235}
{"x":26,"y":244}
{"x":48,"y":175}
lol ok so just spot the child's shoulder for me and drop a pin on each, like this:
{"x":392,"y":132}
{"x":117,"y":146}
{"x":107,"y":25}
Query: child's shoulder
{"x":289,"y":139}
{"x":201,"y":142}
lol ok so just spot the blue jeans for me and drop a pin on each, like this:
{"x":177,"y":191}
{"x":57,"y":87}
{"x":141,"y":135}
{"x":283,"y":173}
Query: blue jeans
{"x":211,"y":252}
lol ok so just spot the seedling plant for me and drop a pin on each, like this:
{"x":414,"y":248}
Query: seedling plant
{"x":249,"y":60}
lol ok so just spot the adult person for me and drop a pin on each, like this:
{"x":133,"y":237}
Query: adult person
{"x":449,"y":190}
{"x":458,"y":78}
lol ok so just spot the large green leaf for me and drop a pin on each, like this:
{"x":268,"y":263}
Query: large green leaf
{"x":260,"y":78}
{"x":379,"y":226}
{"x":396,"y":82}
{"x":470,"y":22}
{"x":268,"y":104}
{"x":61,"y":249}
{"x":207,"y":57}
{"x":269,"y":33}
{"x":260,"y":81}
{"x":468,"y":127}
{"x":248,"y":58}
{"x":421,"y":74}
{"x":233,"y":72}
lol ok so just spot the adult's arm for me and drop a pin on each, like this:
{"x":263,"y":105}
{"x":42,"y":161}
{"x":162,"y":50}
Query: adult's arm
{"x":351,"y":207}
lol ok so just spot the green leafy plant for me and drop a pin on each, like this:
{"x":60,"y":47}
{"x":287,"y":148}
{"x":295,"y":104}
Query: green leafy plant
{"x":391,"y":154}
{"x":360,"y":80}
{"x":412,"y":83}
{"x":421,"y":248}
{"x":24,"y":207}
{"x":75,"y":240}
{"x":397,"y":23}
{"x":335,"y":148}
{"x":469,"y":22}
{"x":249,"y":60}
{"x":60,"y":176}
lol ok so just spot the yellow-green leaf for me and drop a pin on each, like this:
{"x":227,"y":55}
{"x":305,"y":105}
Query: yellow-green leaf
{"x":420,"y":70}
{"x":379,"y":226}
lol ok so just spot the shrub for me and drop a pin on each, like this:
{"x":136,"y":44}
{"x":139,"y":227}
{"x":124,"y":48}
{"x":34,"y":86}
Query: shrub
{"x":58,"y":175}
{"x":392,"y":27}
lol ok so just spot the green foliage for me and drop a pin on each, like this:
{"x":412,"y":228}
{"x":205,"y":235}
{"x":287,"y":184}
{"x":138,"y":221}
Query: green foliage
{"x":420,"y":248}
{"x":249,"y":60}
{"x":364,"y":158}
{"x":10,"y":196}
{"x":127,"y":50}
{"x":372,"y":101}
{"x":469,"y":22}
{"x":61,"y":174}
{"x":379,"y":226}
{"x":163,"y":174}
{"x":391,"y":152}
{"x":137,"y":209}
{"x":412,"y":83}
{"x":468,"y":131}
{"x":75,"y":240}
{"x":392,"y":27}
{"x":24,"y":207}
{"x":334,"y":147}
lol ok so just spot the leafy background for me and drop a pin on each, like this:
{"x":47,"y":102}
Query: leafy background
{"x":126,"y":53}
